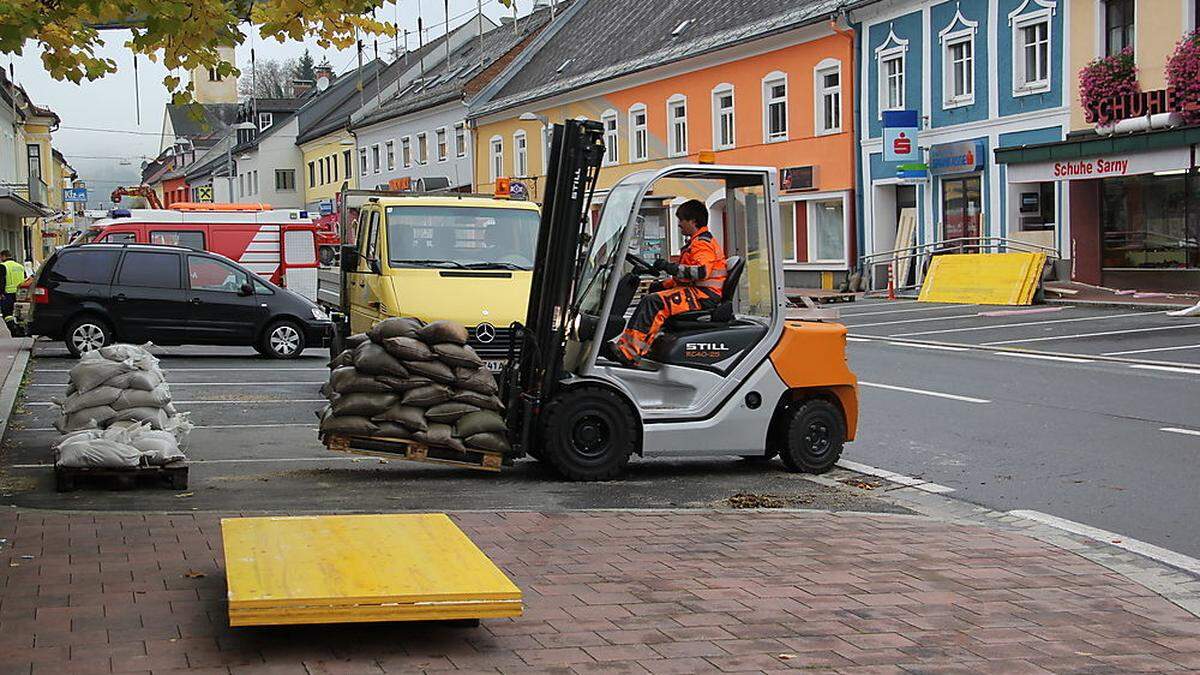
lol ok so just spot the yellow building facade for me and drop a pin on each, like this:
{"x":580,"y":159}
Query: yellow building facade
{"x":328,"y":165}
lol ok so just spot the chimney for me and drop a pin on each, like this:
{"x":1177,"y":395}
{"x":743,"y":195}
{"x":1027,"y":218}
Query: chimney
{"x":324,"y":70}
{"x":302,"y":87}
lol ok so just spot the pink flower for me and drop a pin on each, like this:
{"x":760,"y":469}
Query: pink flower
{"x":1106,"y":77}
{"x":1183,"y":75}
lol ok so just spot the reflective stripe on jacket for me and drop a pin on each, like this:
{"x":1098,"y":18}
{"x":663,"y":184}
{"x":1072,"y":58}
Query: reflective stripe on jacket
{"x":701,"y":263}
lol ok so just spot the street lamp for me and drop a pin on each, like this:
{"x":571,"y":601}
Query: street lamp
{"x":240,"y":126}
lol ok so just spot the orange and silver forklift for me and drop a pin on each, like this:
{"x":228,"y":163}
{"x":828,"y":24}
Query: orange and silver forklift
{"x":740,"y":379}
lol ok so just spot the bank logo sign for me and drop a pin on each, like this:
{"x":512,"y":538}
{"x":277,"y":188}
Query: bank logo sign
{"x":900,"y":136}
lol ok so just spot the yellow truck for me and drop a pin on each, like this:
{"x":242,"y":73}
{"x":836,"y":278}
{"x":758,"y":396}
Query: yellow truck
{"x":465,"y":258}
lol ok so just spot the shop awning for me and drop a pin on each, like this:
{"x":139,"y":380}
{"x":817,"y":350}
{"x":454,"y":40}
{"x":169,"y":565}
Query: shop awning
{"x":1096,"y":146}
{"x":13,"y":204}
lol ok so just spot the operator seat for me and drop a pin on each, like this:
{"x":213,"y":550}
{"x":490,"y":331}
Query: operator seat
{"x":722,"y":314}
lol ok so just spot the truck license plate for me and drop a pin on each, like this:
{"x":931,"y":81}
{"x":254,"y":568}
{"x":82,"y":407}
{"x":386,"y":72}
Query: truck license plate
{"x":495,"y":365}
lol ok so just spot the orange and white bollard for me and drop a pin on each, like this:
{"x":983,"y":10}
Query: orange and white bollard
{"x":891,"y":281}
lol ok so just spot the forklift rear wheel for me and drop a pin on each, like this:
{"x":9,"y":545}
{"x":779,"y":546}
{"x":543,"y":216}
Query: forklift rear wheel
{"x":588,"y":434}
{"x":813,"y":437}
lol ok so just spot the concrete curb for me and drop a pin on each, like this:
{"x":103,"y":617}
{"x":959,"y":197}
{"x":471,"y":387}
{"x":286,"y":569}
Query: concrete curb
{"x":12,"y":383}
{"x":1118,"y":305}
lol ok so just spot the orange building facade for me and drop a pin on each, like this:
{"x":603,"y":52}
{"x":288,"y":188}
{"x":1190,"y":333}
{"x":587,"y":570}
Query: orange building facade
{"x":784,"y":101}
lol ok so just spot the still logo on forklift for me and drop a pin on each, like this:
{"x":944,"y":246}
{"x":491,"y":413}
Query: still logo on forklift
{"x":706,"y":346}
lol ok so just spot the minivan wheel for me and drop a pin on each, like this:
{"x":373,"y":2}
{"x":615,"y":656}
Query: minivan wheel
{"x":85,"y":334}
{"x":283,"y":340}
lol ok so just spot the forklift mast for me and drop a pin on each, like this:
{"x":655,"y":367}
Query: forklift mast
{"x":536,"y":366}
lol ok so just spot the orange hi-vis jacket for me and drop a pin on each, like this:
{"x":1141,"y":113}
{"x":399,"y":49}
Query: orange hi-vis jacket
{"x":701,"y":264}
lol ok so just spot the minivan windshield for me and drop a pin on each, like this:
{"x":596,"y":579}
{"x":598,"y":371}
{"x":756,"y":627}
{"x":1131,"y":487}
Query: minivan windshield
{"x":462,"y":236}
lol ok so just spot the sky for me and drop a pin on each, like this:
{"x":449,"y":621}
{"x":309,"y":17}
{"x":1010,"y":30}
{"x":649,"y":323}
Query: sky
{"x":114,"y":154}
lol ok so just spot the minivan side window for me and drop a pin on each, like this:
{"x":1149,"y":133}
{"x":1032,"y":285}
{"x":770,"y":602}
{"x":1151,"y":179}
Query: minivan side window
{"x":193,"y":239}
{"x":207,"y":274}
{"x":119,"y":238}
{"x":152,"y":270}
{"x":84,"y":266}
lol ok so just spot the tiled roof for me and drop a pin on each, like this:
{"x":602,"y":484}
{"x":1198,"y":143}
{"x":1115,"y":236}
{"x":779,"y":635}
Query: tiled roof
{"x":200,"y":120}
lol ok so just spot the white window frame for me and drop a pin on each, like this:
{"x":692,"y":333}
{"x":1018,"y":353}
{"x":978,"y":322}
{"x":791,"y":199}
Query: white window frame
{"x":1019,"y":21}
{"x":520,"y":154}
{"x":406,"y":155}
{"x":718,"y":114}
{"x":820,"y":92}
{"x":639,"y":136}
{"x":892,"y":49}
{"x":285,"y":174}
{"x":460,"y":139}
{"x":375,"y":156}
{"x":389,"y":154}
{"x":612,"y":147}
{"x":809,"y":201}
{"x":422,"y":149}
{"x":363,"y":165}
{"x":441,"y":143}
{"x":496,"y":157}
{"x":265,"y":120}
{"x":672,"y":146}
{"x":959,"y":32}
{"x":770,"y":80}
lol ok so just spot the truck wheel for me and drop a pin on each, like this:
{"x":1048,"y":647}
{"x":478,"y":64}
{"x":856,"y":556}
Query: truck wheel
{"x":282,"y":340}
{"x":87,"y":333}
{"x":588,"y":434}
{"x":813,"y":437}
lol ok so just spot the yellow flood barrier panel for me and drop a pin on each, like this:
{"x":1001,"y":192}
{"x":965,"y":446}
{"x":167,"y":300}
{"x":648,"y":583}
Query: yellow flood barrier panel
{"x":355,"y":568}
{"x":983,"y":278}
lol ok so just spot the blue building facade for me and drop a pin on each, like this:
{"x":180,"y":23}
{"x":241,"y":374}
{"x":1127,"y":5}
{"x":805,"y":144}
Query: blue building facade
{"x":981,"y":75}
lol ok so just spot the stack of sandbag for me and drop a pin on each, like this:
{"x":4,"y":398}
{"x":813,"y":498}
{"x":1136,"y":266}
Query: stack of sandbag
{"x":116,"y":396}
{"x":406,"y":380}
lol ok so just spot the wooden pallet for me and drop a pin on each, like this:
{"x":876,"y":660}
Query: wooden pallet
{"x":820,"y":296}
{"x":173,"y":476}
{"x":392,"y":448}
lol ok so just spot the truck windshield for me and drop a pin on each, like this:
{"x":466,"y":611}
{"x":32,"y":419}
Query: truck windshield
{"x":472,"y":237}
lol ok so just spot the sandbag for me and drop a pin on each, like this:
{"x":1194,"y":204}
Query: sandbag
{"x":449,"y":412}
{"x":103,"y":395}
{"x":138,"y":355}
{"x":138,"y":379}
{"x":353,"y":341}
{"x":155,"y":417}
{"x":99,"y":416}
{"x":371,"y":359}
{"x":98,"y":453}
{"x":347,"y":380}
{"x":362,"y":405}
{"x":157,"y":447}
{"x":394,"y":327}
{"x":346,"y":358}
{"x":434,"y":370}
{"x":479,"y":380}
{"x":348,"y":424}
{"x":429,"y":395}
{"x":95,"y":372}
{"x":398,"y":384}
{"x":408,"y":349}
{"x":441,"y":435}
{"x":137,"y":398}
{"x":489,"y":441}
{"x":393,"y":430}
{"x":179,"y":424}
{"x":443,"y":331}
{"x":411,"y":417}
{"x":458,"y":355}
{"x":482,"y":422}
{"x":484,"y":401}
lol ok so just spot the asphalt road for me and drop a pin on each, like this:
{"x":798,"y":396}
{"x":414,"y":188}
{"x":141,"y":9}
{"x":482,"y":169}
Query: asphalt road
{"x":255,"y":449}
{"x":1025,"y":411}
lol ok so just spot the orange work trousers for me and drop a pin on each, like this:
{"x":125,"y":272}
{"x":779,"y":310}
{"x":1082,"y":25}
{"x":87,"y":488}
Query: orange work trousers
{"x":653,"y":311}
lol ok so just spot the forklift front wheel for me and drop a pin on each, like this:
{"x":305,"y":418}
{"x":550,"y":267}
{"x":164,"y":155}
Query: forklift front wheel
{"x":813,"y":437}
{"x":588,"y":434}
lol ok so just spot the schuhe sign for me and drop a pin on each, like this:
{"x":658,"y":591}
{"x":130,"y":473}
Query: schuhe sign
{"x":1113,"y":109}
{"x":1132,"y":164}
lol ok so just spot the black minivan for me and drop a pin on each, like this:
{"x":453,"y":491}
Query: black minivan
{"x":90,"y":296}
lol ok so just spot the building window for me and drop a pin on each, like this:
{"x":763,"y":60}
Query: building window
{"x":390,"y":155}
{"x":520,"y":154}
{"x":265,"y":120}
{"x":406,"y":151}
{"x":1036,"y":207}
{"x":241,"y":185}
{"x":362,"y":161}
{"x":496,"y":147}
{"x":334,"y":163}
{"x":321,"y":172}
{"x":1145,"y":223}
{"x":545,"y":149}
{"x":611,"y":151}
{"x":893,"y":83}
{"x":347,"y":162}
{"x":375,"y":158}
{"x":1031,"y":52}
{"x":460,"y":140}
{"x":254,"y":178}
{"x":677,"y":125}
{"x":312,"y":174}
{"x":826,"y":230}
{"x":441,"y":144}
{"x":775,"y":121}
{"x":422,"y":148}
{"x":723,"y":126}
{"x":638,"y":138}
{"x":1118,"y":26}
{"x":827,"y":78}
{"x":214,"y":75}
{"x":33,"y":154}
{"x":960,"y":71}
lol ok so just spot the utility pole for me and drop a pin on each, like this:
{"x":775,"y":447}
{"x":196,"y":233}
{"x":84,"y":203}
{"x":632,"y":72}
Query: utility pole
{"x":479,"y":23}
{"x":447,"y":37}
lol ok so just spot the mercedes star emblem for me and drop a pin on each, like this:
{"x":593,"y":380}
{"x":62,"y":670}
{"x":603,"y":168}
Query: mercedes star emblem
{"x":485,"y":333}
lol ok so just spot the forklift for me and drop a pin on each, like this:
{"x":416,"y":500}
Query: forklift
{"x":744,"y":378}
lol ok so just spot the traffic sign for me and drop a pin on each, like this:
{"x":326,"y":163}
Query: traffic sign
{"x":518,"y":191}
{"x":74,"y":194}
{"x":204,"y":193}
{"x":900,"y":136}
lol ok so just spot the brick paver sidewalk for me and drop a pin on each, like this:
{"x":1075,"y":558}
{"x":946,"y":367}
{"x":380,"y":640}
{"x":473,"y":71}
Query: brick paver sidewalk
{"x":676,"y":592}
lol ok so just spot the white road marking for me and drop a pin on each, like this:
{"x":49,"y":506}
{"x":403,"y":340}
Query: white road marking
{"x":217,"y":402}
{"x":267,"y":460}
{"x":208,"y":384}
{"x":1023,"y":323}
{"x":1045,"y":357}
{"x":273,"y":425}
{"x":903,"y":311}
{"x":925,"y":392}
{"x":1086,"y":335}
{"x":919,"y":483}
{"x":1168,"y":369}
{"x":1147,"y":351}
{"x":922,"y":320}
{"x":1142,"y":548}
{"x":209,"y":370}
{"x":888,"y":303}
{"x":856,"y":339}
{"x":918,"y":345}
{"x":1177,"y":430}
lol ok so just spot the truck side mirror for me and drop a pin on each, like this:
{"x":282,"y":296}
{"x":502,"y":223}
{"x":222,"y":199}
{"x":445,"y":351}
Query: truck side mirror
{"x":349,"y":253}
{"x":375,"y":268}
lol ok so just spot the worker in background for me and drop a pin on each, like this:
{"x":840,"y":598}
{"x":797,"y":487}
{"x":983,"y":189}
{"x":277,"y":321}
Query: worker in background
{"x":693,"y":283}
{"x":14,"y":274}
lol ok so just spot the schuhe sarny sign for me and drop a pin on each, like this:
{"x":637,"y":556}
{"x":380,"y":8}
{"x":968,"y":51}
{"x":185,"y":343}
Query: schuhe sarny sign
{"x":1113,"y":109}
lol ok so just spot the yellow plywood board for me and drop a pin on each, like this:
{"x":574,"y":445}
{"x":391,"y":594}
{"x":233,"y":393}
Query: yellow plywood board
{"x":332,"y":569}
{"x":983,"y":278}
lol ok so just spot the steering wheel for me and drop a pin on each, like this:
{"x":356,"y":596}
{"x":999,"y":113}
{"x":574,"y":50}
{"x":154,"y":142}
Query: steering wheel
{"x":640,"y":266}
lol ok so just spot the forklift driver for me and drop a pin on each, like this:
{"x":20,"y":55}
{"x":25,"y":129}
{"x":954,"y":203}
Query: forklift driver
{"x":694,"y":283}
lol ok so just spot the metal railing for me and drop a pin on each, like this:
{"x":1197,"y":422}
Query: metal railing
{"x":909,"y":264}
